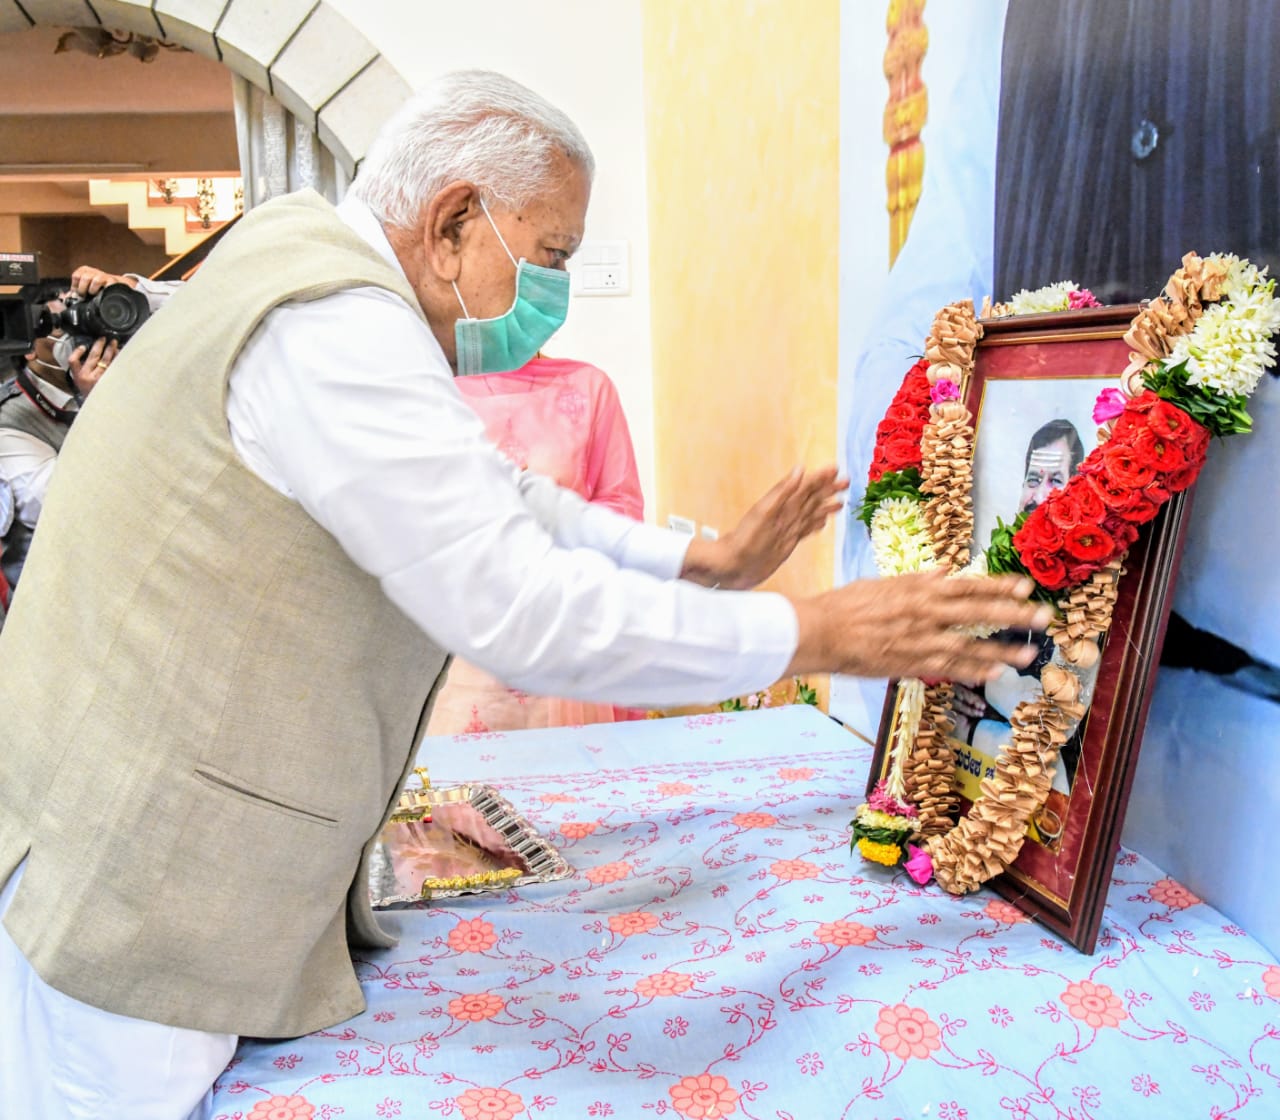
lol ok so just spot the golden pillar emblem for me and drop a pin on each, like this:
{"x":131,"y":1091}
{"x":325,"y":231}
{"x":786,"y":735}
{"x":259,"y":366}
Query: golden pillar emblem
{"x":904,"y":115}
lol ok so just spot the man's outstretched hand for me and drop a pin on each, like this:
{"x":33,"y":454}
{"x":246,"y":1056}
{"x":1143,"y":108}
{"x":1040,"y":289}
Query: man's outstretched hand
{"x":747,"y":555}
{"x":913,"y":626}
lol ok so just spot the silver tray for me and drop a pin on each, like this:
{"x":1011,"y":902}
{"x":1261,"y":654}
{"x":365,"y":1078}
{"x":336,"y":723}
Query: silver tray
{"x":440,"y":837}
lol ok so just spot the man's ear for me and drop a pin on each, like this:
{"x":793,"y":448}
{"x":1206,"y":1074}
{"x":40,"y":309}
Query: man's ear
{"x":446,"y":228}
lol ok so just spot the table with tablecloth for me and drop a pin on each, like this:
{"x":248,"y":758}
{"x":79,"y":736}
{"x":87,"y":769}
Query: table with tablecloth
{"x":719,"y":953}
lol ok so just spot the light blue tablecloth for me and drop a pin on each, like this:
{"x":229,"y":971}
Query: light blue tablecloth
{"x":720,"y":954}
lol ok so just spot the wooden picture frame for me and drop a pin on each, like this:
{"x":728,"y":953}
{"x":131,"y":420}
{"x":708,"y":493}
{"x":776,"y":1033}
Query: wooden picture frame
{"x":1029,"y":373}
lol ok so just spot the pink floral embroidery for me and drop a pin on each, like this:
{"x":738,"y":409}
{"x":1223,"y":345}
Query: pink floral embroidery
{"x":638,"y":921}
{"x":283,"y":1108}
{"x":664,"y":984}
{"x":476,"y":726}
{"x":755,"y":820}
{"x":999,"y":910}
{"x":556,"y":798}
{"x":792,"y":869}
{"x":577,"y":830}
{"x":608,"y":872}
{"x":844,"y":933}
{"x":907,"y":1032}
{"x":1095,"y":1004}
{"x":1173,"y":894}
{"x":476,"y":1008}
{"x":673,"y":789}
{"x":1271,"y":981}
{"x":705,"y":1097}
{"x":490,"y":1104}
{"x":472,"y":935}
{"x":796,"y":773}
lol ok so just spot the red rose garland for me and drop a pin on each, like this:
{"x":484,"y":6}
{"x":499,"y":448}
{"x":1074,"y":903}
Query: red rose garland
{"x":1155,"y":450}
{"x":898,"y":434}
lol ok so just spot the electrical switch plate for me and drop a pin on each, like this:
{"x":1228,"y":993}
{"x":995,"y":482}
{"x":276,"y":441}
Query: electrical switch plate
{"x":710,"y":534}
{"x":685,"y":525}
{"x":601,"y":268}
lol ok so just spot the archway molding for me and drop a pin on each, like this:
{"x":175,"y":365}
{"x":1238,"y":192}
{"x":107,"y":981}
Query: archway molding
{"x":302,"y":52}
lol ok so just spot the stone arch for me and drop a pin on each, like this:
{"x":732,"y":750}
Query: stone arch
{"x":302,"y":52}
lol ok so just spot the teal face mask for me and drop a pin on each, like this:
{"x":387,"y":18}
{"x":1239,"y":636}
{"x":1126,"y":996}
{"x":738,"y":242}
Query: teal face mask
{"x":512,"y":339}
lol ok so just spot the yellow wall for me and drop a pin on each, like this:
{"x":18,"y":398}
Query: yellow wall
{"x":742,"y":123}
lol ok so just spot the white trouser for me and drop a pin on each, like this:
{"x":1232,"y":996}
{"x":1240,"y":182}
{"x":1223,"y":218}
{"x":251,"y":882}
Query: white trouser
{"x":61,"y":1059}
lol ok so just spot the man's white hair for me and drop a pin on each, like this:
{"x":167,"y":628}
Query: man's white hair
{"x":474,"y":125}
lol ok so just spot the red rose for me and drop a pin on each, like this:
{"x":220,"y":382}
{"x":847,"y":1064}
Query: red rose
{"x":902,"y":412}
{"x":1078,"y":573}
{"x":1170,"y":422}
{"x":903,"y":451}
{"x":1122,"y":532}
{"x":1126,"y":424}
{"x":1183,"y":479}
{"x":1038,"y":533}
{"x":1158,"y":451}
{"x":1092,"y":462}
{"x":1089,"y":544}
{"x":1123,"y":468}
{"x":1091,"y":507}
{"x":1046,"y":568}
{"x":1063,"y":509}
{"x":1197,"y":444}
{"x":1143,"y":402}
{"x":1113,"y":498}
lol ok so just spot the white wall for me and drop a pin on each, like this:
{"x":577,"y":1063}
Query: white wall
{"x":585,"y":57}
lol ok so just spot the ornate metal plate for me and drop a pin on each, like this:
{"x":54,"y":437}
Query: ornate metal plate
{"x":445,"y":842}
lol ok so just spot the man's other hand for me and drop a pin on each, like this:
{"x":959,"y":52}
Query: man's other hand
{"x":913,"y":626}
{"x":794,"y":508}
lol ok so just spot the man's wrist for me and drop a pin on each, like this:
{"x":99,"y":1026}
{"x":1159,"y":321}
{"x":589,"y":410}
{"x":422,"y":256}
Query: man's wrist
{"x":711,"y":563}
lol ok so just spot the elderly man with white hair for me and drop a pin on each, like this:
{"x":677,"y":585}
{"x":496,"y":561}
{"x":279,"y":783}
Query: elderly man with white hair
{"x":276,"y":520}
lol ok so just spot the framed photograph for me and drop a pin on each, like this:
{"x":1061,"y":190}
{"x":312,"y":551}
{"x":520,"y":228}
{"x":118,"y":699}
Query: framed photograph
{"x":1034,"y":383}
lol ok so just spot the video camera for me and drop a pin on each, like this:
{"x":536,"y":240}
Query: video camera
{"x":115,"y":313}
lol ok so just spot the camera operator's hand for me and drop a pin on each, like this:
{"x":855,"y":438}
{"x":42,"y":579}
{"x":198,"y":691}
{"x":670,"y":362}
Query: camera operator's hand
{"x":89,"y":281}
{"x":87,"y":368}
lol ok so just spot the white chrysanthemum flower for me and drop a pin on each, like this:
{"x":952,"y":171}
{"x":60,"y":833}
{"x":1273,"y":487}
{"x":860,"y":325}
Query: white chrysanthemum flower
{"x":899,"y":538}
{"x":1053,"y":297}
{"x":1243,"y":277}
{"x":1230,"y":346}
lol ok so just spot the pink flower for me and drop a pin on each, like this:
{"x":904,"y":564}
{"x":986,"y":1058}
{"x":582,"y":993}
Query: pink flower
{"x":672,"y":789}
{"x":705,"y":1097}
{"x":476,"y":1008}
{"x":883,"y":803}
{"x":792,"y":869}
{"x":664,"y":984}
{"x":944,"y":389}
{"x":1081,"y":297}
{"x":608,"y":872}
{"x":638,"y":921}
{"x":1108,"y":406}
{"x":919,"y":864}
{"x":1173,"y":894}
{"x":844,"y":933}
{"x":1271,"y":981}
{"x":490,"y":1104}
{"x":754,"y":820}
{"x":907,"y":1032}
{"x":577,"y":830}
{"x":1001,"y":911}
{"x":1096,"y":1004}
{"x":472,"y":935}
{"x":283,"y":1108}
{"x":796,"y":773}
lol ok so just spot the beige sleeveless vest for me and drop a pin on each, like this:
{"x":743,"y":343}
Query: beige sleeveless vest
{"x":206,"y":710}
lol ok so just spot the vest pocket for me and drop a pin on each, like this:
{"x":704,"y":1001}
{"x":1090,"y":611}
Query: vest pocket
{"x":229,"y":784}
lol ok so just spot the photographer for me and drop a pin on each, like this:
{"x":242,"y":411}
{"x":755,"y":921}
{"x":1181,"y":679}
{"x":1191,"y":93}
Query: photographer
{"x":36,"y":412}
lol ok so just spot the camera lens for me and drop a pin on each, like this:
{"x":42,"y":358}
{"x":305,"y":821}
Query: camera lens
{"x":118,"y":309}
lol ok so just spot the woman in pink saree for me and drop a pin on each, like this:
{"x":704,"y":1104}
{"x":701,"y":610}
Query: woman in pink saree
{"x":562,"y":419}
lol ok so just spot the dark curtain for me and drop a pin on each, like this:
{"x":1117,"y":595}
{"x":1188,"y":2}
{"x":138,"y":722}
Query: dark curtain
{"x":1130,"y":133}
